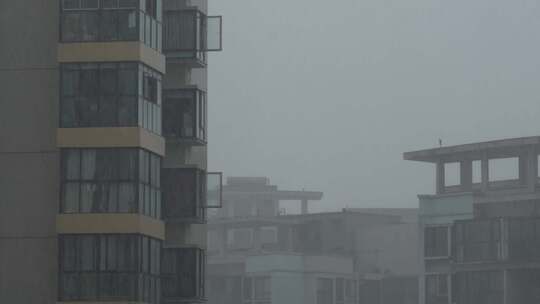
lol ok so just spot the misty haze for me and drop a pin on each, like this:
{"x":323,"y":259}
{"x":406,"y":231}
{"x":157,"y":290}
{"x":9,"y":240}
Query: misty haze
{"x":269,"y":152}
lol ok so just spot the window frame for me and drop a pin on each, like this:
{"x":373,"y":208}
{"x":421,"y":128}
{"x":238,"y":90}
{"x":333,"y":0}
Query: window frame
{"x":148,"y":28}
{"x":181,"y":101}
{"x":135,"y":180}
{"x":103,"y":270}
{"x":141,"y":113}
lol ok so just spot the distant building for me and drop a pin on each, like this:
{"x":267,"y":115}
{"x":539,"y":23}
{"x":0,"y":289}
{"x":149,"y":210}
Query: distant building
{"x":259,"y":254}
{"x":480,"y":235}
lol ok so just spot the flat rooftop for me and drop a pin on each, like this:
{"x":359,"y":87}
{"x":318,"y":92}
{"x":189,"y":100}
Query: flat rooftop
{"x":280,"y":195}
{"x":502,"y":148}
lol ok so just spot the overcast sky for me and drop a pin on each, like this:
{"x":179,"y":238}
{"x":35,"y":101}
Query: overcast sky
{"x":327,"y":95}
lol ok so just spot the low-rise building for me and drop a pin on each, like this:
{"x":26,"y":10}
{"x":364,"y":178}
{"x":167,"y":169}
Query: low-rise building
{"x":259,"y":254}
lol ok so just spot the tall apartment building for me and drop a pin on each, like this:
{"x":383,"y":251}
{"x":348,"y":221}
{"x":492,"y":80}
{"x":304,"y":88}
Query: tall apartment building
{"x":103,"y":150}
{"x":480,"y":231}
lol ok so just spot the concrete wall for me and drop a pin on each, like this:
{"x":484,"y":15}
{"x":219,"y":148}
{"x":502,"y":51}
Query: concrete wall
{"x":391,"y":249}
{"x":28,"y":157}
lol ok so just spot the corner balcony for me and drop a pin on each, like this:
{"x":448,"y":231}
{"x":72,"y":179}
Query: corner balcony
{"x":189,"y":34}
{"x":183,"y":275}
{"x":185,"y":116}
{"x":188,"y":193}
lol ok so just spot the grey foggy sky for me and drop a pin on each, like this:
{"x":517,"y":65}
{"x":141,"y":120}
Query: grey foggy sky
{"x":326,"y":95}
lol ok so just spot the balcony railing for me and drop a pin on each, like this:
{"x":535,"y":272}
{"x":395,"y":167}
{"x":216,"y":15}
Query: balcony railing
{"x":185,"y":116}
{"x":189,"y":34}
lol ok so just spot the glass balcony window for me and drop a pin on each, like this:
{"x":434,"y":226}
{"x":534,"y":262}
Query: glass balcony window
{"x":187,"y":193}
{"x":185,"y":115}
{"x":109,"y":267}
{"x":183,"y":274}
{"x":111,"y":181}
{"x":111,"y":20}
{"x":110,"y":95}
{"x":436,"y":242}
{"x":477,"y":241}
{"x":189,"y":34}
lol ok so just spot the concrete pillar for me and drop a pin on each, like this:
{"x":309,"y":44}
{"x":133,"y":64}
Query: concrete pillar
{"x":304,"y":207}
{"x":532,"y":169}
{"x":505,"y":286}
{"x":522,"y":168}
{"x":485,"y":173}
{"x":466,"y":175}
{"x":439,"y":177}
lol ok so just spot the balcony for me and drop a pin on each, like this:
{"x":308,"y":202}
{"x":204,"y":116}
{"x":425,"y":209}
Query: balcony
{"x":497,"y":240}
{"x":189,"y":34}
{"x":183,"y":275}
{"x":188,"y":193}
{"x":185,"y":116}
{"x":111,"y":20}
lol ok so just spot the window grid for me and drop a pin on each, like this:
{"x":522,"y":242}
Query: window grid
{"x":109,"y":267}
{"x":183,"y":273}
{"x":121,"y":169}
{"x":184,"y":194}
{"x":92,"y":21}
{"x":108,"y":95}
{"x":185,"y":114}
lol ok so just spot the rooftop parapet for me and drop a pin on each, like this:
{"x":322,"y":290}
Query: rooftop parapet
{"x":524,"y":149}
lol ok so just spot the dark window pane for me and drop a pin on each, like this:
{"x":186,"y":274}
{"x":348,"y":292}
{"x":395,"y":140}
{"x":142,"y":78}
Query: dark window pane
{"x":188,"y":119}
{"x":128,"y":3}
{"x":128,"y":82}
{"x":108,"y":79}
{"x":107,"y":111}
{"x":88,"y":286}
{"x":109,"y":25}
{"x":127,"y":165}
{"x":70,"y":198}
{"x":126,"y":286}
{"x":150,"y":88}
{"x":128,"y":25}
{"x":102,"y":197}
{"x":106,"y":165}
{"x":145,"y":253}
{"x":109,"y":3}
{"x":89,"y":26}
{"x":127,"y":198}
{"x":70,"y":82}
{"x":88,"y":193}
{"x":72,"y":163}
{"x":71,"y":28}
{"x":112,"y":253}
{"x":87,"y":253}
{"x":88,"y":103}
{"x":88,"y":164}
{"x":68,"y":115}
{"x":69,"y":253}
{"x":71,"y":4}
{"x":70,"y":286}
{"x":127,"y":111}
{"x":89,"y":3}
{"x":112,"y":205}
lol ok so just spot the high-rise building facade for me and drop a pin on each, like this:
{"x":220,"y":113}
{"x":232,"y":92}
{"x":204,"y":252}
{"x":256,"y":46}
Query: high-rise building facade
{"x":103,"y":175}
